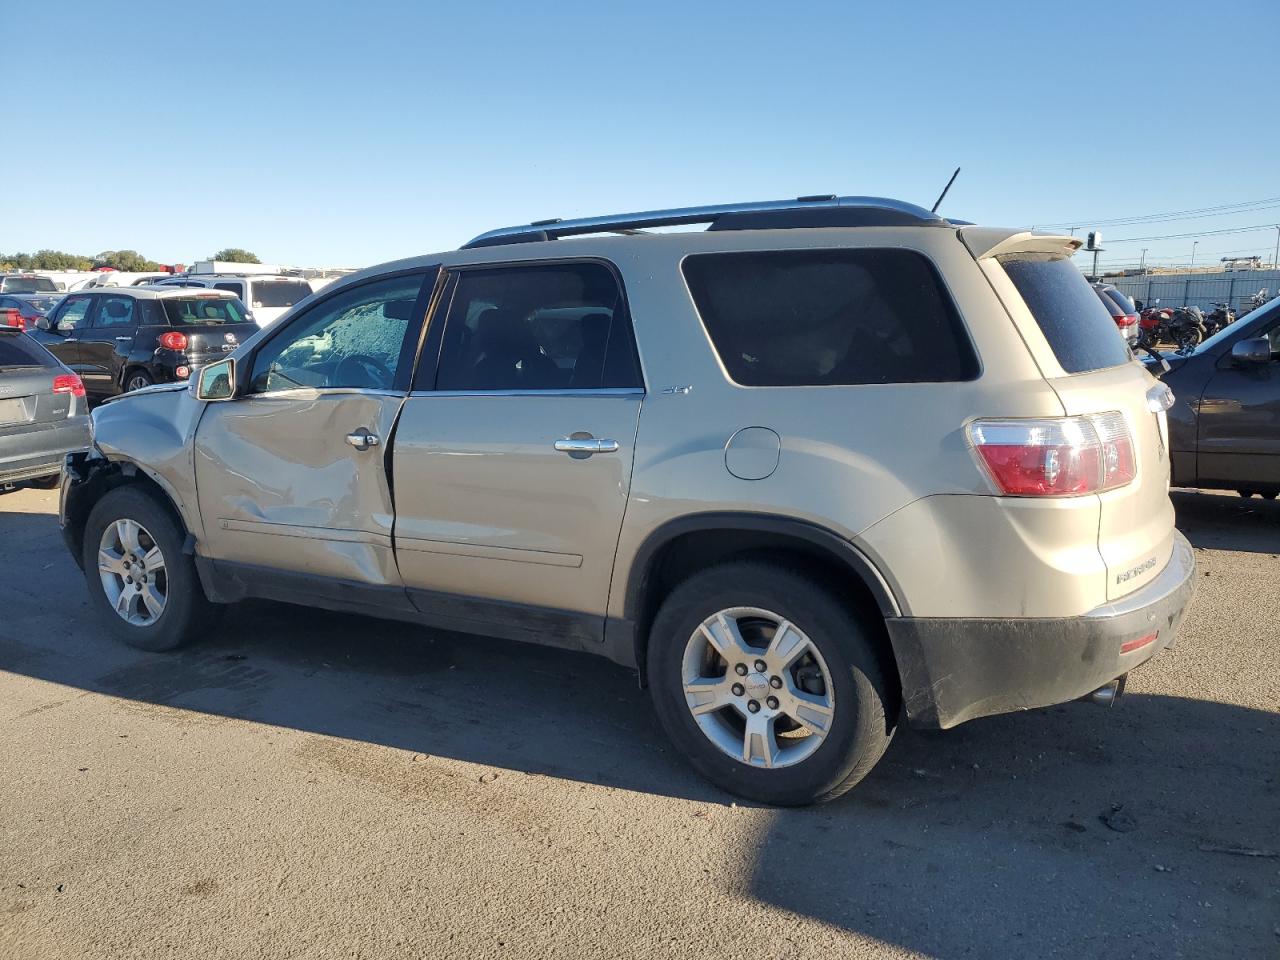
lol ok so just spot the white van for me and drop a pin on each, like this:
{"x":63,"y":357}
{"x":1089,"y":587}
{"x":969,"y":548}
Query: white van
{"x":267,"y":297}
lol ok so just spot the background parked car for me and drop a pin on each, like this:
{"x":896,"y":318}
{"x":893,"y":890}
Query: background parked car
{"x":26,"y":283}
{"x":23,"y":309}
{"x":1122,"y":309}
{"x":43,"y":410}
{"x":126,"y":338}
{"x":268,"y":297}
{"x":1224,"y":426}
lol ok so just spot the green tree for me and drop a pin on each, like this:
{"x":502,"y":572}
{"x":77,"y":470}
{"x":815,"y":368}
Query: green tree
{"x":235,"y":255}
{"x":129,"y":261}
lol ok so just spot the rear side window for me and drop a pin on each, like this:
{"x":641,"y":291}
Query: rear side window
{"x":552,"y":327}
{"x":19,"y":350}
{"x":1078,"y":327}
{"x":1126,"y":305}
{"x":829,"y":317}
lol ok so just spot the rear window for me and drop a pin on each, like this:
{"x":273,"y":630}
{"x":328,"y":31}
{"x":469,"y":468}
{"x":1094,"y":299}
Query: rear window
{"x":279,"y":293}
{"x":189,"y":311}
{"x":28,"y":285}
{"x":37,"y":306}
{"x":1079,"y":329}
{"x":19,"y":350}
{"x":1126,"y":305}
{"x":1109,"y":303}
{"x":829,"y":317}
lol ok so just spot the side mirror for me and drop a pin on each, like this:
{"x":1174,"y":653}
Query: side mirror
{"x":217,"y":381}
{"x":45,"y":324}
{"x":1257,"y":350}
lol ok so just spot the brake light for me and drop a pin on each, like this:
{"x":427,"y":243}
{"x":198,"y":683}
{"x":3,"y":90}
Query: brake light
{"x":173,"y":340}
{"x":68,"y":383}
{"x":1128,"y":320}
{"x":1062,"y":457}
{"x":10,"y":317}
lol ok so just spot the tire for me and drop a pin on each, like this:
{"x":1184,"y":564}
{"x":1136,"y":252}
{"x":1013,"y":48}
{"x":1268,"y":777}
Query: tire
{"x":185,"y":612}
{"x":842,"y":651}
{"x":136,"y":380}
{"x":50,"y":482}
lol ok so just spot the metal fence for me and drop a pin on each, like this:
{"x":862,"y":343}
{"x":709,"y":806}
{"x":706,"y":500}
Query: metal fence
{"x":1203,"y":290}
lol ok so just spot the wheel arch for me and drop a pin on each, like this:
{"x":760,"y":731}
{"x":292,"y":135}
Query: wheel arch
{"x":682,"y":546}
{"x":89,"y":479}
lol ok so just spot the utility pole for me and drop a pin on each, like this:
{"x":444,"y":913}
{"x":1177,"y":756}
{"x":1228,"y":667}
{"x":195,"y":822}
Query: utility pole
{"x":1275,"y":260}
{"x":1143,"y":265}
{"x":1194,"y":244}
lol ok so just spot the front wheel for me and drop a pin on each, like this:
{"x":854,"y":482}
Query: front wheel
{"x":144,"y":588}
{"x":771,"y":686}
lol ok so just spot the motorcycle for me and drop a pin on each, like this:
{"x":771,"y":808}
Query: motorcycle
{"x":1221,"y":318}
{"x":1256,"y":300}
{"x":1186,"y":328}
{"x":1153,"y":324}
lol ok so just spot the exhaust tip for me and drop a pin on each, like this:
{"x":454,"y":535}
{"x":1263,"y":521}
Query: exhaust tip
{"x":1109,"y":693}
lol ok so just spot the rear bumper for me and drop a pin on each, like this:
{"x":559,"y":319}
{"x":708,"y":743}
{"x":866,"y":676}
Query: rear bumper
{"x":38,"y":451}
{"x":955,"y":670}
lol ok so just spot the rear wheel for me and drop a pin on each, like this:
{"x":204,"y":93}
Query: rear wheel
{"x":136,"y":380}
{"x":144,"y":588}
{"x":773,"y":688}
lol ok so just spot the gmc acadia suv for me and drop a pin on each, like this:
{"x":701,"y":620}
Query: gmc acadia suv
{"x":827,"y":464}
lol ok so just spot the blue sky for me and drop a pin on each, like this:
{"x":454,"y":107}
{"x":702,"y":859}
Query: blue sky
{"x":351,"y":133}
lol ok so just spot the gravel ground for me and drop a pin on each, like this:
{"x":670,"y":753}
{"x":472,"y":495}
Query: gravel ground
{"x":317,"y":785}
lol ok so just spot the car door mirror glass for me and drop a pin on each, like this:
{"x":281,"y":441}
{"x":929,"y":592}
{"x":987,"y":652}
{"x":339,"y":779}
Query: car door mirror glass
{"x":1256,"y":350}
{"x":45,"y":324}
{"x":217,"y":381}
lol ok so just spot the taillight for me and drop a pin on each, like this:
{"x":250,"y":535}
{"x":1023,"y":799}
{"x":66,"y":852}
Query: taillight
{"x":10,"y":317}
{"x":68,"y":383}
{"x":1062,"y":457}
{"x":1128,"y":320}
{"x":173,"y":340}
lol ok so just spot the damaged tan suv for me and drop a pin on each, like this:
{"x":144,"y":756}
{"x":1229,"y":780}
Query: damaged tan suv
{"x":824,"y":466}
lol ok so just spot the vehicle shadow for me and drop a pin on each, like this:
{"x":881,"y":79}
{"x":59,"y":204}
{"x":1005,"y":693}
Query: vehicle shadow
{"x":985,"y":841}
{"x":1220,"y":520}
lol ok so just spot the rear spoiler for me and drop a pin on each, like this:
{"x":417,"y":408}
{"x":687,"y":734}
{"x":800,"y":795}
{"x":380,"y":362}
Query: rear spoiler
{"x":996,"y":242}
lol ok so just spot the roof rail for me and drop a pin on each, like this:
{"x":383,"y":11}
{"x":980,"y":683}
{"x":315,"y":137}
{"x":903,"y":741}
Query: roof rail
{"x":826,"y":210}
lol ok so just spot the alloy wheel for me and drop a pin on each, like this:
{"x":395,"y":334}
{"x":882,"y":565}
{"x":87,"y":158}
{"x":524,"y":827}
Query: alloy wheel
{"x":758,"y":687}
{"x":132,"y":569}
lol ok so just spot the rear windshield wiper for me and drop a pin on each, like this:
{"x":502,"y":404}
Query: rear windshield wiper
{"x":1161,"y":362}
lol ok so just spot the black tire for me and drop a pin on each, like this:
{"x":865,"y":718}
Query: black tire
{"x":136,"y":380}
{"x":866,"y":691}
{"x":47,"y":483}
{"x":187,"y":611}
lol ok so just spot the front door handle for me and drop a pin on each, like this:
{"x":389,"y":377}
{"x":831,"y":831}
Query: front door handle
{"x":124,"y":338}
{"x":362,"y":439}
{"x":584,"y":446}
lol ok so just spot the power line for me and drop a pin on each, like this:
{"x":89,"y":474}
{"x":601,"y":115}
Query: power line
{"x":1196,"y":233}
{"x":1194,"y":213}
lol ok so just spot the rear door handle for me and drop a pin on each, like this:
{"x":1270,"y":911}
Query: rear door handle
{"x":124,"y":338}
{"x":585,"y":446}
{"x":362,"y":439}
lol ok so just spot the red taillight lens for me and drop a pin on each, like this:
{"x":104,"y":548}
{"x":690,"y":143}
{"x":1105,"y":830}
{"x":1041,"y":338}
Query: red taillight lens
{"x":10,"y":317}
{"x":1056,"y":458}
{"x":68,"y":383}
{"x":1128,"y":320}
{"x":173,"y":340}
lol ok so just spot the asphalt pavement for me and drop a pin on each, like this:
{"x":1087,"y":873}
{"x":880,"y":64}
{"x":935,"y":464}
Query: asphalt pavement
{"x":314,"y":785}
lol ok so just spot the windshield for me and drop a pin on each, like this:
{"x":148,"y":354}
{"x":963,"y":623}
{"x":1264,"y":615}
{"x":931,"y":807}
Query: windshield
{"x":188,"y":311}
{"x":1264,"y":314}
{"x":279,"y":293}
{"x":27,"y":285}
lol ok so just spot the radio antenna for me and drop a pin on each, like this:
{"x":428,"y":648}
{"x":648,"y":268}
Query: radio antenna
{"x":944,"y":191}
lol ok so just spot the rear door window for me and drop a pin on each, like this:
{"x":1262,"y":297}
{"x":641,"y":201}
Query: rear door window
{"x":1077,"y":326}
{"x":115,"y":312}
{"x":830,"y":317}
{"x":233,"y":287}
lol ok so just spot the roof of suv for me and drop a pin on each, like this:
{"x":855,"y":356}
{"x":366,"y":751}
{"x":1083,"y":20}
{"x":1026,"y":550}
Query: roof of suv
{"x":160,"y":293}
